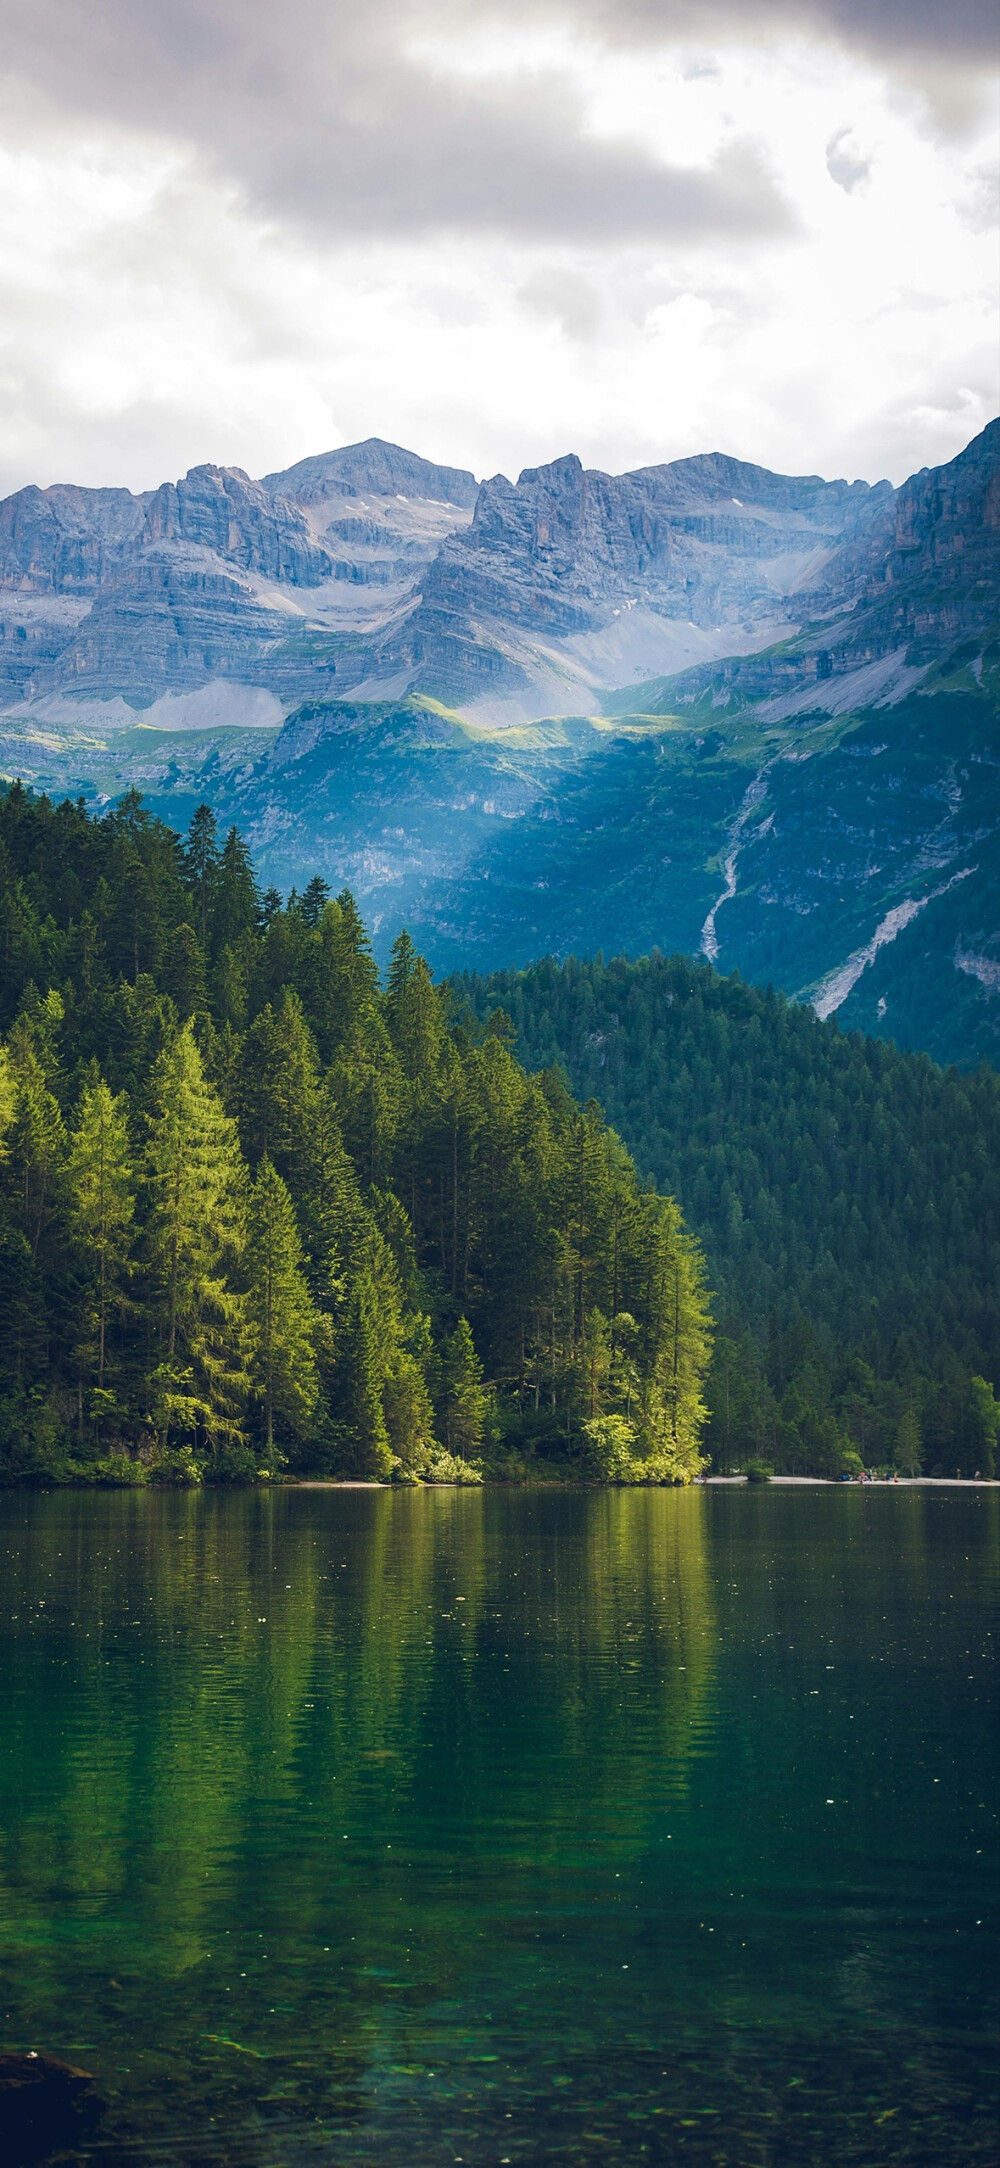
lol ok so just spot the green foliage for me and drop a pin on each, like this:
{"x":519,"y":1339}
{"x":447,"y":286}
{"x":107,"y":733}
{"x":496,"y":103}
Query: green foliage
{"x":194,"y":1238}
{"x":281,"y":1316}
{"x":464,"y":1405}
{"x":445,"y":1467}
{"x":362,"y":1378}
{"x":101,"y":1184}
{"x":609,"y":1448}
{"x":256,"y":1210}
{"x":846,"y":1194}
{"x":118,"y":1471}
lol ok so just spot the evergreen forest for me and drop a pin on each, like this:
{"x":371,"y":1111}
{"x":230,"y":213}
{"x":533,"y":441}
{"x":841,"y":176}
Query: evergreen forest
{"x":846,"y":1195}
{"x":260,"y":1212}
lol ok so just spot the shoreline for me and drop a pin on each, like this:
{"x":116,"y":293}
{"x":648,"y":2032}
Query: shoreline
{"x":829,"y":1482}
{"x":706,"y":1482}
{"x":360,"y":1483}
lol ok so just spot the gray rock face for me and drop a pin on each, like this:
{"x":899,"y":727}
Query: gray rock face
{"x":58,"y":548}
{"x":916,"y":584}
{"x":708,"y":547}
{"x":103,"y":594}
{"x":380,"y":512}
{"x":374,"y":469}
{"x":928,"y":571}
{"x":221,"y":509}
{"x":170,"y":620}
{"x":368,"y":572}
{"x":65,"y":541}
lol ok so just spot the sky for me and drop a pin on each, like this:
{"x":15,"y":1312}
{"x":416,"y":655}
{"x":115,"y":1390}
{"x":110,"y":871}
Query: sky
{"x":635,"y":229}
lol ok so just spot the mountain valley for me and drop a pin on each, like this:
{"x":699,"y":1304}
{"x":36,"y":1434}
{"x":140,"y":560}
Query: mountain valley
{"x":697,"y":707}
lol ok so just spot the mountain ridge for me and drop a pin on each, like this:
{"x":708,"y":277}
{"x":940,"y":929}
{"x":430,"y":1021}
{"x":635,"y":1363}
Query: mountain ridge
{"x":445,"y":720}
{"x":219,"y":575}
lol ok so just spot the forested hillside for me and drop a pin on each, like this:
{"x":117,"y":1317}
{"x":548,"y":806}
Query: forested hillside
{"x":256,"y":1210}
{"x":847,"y":1196}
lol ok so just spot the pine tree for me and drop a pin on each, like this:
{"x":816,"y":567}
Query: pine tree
{"x":194,"y":1232}
{"x":363,"y":1375}
{"x":281,"y":1314}
{"x":8,"y":1101}
{"x":979,"y":1429}
{"x":464,"y":1404}
{"x":183,"y":975}
{"x":907,"y":1455}
{"x":237,"y":897}
{"x":202,"y":865}
{"x":314,"y":900}
{"x":414,"y":1014}
{"x":275,"y":1092}
{"x":409,"y":1414}
{"x":101,"y":1178}
{"x":336,"y":1224}
{"x":35,"y":1143}
{"x":338,"y":978}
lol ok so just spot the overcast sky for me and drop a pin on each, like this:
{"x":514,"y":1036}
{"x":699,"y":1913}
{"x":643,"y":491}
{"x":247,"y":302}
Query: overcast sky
{"x":245,"y":231}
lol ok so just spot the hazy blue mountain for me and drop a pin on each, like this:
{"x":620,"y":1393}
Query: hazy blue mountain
{"x":422,"y":689}
{"x":371,"y":572}
{"x":214,"y":582}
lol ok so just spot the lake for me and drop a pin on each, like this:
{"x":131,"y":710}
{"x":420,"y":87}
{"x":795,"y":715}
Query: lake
{"x":434,"y":1827}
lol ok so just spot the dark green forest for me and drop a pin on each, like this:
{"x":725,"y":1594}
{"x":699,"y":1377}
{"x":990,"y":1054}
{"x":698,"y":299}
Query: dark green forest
{"x":260,"y":1212}
{"x":846,"y":1194}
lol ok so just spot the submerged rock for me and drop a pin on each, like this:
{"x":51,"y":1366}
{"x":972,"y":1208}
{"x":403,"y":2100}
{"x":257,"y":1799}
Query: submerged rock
{"x":45,"y":2105}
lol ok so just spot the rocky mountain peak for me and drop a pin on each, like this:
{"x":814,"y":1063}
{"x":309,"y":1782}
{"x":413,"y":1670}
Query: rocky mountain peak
{"x":63,"y":540}
{"x":221,"y":509}
{"x":374,"y":468}
{"x":367,"y":571}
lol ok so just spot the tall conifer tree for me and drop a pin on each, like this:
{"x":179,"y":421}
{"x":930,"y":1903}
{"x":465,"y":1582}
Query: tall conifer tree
{"x":463,"y":1401}
{"x":281,"y":1315}
{"x":195,"y":1179}
{"x":102,"y":1188}
{"x":363,"y":1367}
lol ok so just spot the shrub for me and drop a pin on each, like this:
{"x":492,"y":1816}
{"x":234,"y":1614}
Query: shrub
{"x":117,"y":1471}
{"x":608,"y":1449}
{"x":232,"y":1464}
{"x":449,"y":1468}
{"x":175,"y":1466}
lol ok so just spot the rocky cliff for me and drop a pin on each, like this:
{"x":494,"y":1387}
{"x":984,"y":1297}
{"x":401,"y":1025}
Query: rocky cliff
{"x":571,"y":580}
{"x":218,"y":577}
{"x":369,"y":571}
{"x":391,"y":678}
{"x":917,"y":587}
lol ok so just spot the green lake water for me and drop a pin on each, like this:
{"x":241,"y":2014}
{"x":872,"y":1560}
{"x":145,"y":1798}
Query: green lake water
{"x":480,"y":1827}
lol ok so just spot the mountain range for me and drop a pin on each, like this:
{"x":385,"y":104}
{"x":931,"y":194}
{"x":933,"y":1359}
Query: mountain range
{"x":697,"y":706}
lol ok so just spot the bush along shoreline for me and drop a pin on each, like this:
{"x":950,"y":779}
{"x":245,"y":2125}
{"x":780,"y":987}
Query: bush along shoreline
{"x":260,"y":1214}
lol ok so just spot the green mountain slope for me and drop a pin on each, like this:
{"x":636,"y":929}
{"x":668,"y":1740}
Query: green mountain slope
{"x":821,"y":809}
{"x":847,"y":1194}
{"x":624,"y":833}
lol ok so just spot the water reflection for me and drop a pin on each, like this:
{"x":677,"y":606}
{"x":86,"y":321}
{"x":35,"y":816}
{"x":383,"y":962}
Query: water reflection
{"x":403,"y":1826}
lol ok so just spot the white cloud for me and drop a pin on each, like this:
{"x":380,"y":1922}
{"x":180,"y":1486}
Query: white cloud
{"x":157,"y":309}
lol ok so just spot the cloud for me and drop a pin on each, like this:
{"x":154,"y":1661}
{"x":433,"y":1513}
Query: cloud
{"x":233,"y":232}
{"x":845,"y":164}
{"x":332,"y":116}
{"x":894,"y":29}
{"x":564,"y":297}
